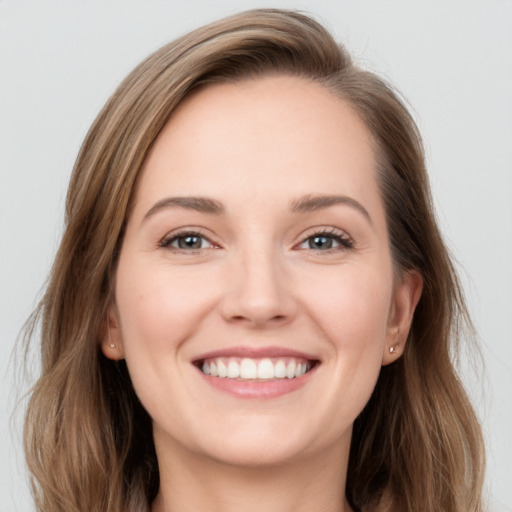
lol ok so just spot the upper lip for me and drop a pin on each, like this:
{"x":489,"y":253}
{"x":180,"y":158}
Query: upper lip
{"x":255,"y":353}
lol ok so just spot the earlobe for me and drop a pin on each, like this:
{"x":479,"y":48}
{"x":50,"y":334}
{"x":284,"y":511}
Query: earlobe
{"x":406,"y":297}
{"x":111,"y":342}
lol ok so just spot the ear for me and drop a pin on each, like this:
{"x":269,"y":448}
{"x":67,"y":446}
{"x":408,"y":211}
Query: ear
{"x":405,"y":299}
{"x":112,"y":343}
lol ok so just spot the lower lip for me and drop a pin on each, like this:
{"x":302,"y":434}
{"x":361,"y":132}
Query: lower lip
{"x":258,"y":389}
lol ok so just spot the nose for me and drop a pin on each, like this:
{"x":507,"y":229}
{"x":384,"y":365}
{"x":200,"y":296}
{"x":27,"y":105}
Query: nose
{"x":259,"y":292}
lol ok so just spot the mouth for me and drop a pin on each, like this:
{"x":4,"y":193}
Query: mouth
{"x":256,"y":372}
{"x":256,"y":369}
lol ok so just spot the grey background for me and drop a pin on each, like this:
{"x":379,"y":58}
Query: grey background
{"x":452,"y":60}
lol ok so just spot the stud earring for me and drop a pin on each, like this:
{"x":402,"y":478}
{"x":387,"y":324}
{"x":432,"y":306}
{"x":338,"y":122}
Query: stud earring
{"x":392,"y":350}
{"x":110,"y":338}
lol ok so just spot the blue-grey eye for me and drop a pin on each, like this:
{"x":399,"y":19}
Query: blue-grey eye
{"x":190,"y":242}
{"x":322,"y":242}
{"x":326,"y":241}
{"x":186,"y":242}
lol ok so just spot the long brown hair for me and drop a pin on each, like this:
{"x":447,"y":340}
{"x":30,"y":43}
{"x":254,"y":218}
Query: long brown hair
{"x":416,"y":446}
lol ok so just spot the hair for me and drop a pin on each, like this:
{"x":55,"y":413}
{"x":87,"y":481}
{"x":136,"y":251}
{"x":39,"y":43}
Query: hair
{"x":417,"y":445}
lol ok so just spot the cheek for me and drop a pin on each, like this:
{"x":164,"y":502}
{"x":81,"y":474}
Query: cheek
{"x":353,"y":308}
{"x":349,"y":310}
{"x":158,"y":311}
{"x":353,"y":313}
{"x":158,"y":307}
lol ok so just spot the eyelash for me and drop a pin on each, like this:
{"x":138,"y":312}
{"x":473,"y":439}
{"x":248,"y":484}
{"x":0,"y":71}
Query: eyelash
{"x":344,"y":241}
{"x":167,"y":242}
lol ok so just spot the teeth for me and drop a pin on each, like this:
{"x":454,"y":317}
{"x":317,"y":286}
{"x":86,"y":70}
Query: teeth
{"x":290,"y":370}
{"x":265,"y":369}
{"x":248,"y":369}
{"x":233,"y":370}
{"x":280,"y":369}
{"x":222,"y":369}
{"x":255,"y":369}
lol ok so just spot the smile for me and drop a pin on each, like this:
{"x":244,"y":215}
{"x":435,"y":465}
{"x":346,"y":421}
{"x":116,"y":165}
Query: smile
{"x":250,"y":369}
{"x":261,"y":373}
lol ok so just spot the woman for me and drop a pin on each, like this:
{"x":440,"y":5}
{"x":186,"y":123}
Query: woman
{"x":252,"y":305}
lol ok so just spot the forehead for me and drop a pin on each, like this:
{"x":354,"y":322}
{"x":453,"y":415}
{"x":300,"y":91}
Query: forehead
{"x":267,"y":137}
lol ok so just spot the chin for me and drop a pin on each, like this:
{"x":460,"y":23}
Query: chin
{"x":256,"y":455}
{"x":265,"y":442}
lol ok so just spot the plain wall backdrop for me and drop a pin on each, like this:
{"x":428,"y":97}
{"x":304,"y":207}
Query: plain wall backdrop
{"x":451,"y":59}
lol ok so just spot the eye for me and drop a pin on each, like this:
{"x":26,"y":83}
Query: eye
{"x":325,"y":241}
{"x":187,"y":241}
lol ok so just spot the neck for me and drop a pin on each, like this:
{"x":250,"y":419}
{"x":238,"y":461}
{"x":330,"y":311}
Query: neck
{"x":197,"y":483}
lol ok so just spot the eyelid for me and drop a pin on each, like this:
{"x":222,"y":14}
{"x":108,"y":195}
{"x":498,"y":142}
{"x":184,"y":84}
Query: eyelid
{"x":167,"y":240}
{"x":343,"y":238}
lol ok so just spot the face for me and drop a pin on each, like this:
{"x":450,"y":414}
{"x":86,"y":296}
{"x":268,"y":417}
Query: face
{"x":255,"y":298}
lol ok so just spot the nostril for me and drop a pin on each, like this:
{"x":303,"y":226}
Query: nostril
{"x":258,"y":319}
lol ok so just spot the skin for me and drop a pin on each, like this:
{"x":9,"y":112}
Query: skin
{"x":257,"y":147}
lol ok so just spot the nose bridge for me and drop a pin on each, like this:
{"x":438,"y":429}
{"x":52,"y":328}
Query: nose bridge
{"x":259,"y":291}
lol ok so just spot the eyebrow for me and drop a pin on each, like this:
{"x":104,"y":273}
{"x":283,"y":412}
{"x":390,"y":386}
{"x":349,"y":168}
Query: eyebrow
{"x":304,"y":204}
{"x":311,"y":203}
{"x":198,"y":204}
